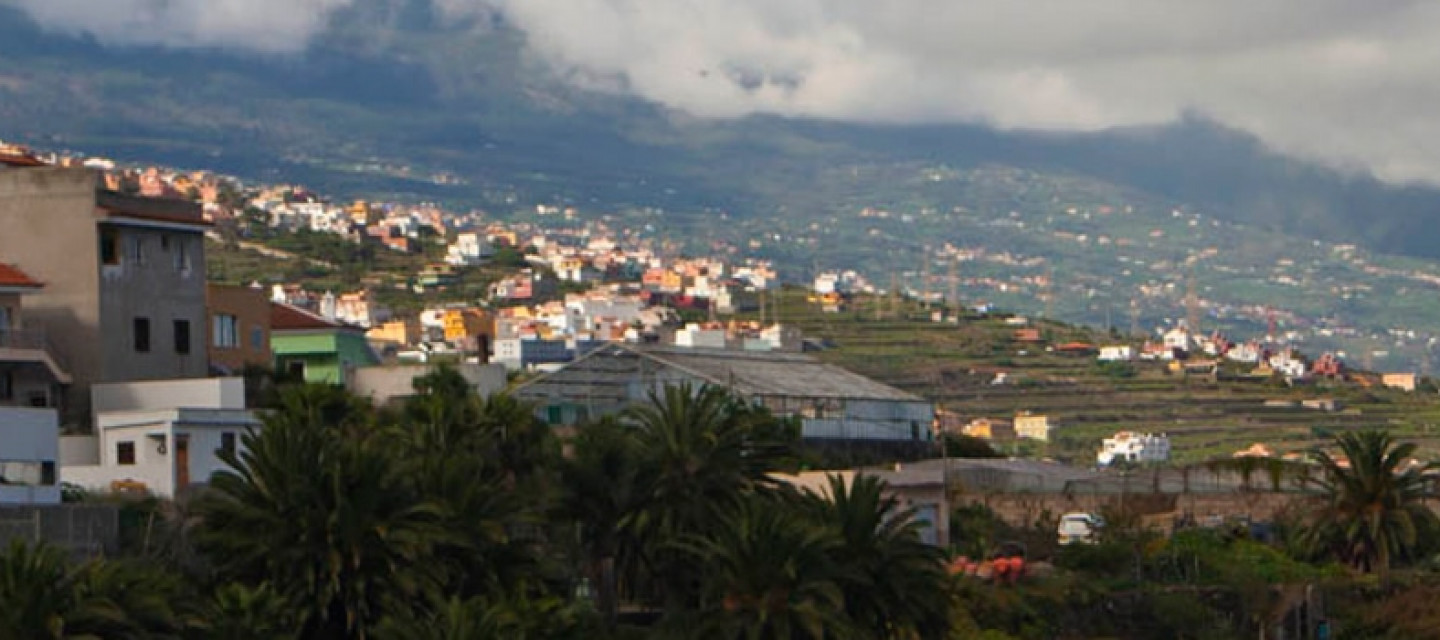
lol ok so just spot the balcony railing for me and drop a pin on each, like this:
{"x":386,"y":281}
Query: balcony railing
{"x":30,"y":340}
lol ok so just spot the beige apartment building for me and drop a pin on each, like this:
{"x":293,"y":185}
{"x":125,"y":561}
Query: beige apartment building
{"x":124,"y":276}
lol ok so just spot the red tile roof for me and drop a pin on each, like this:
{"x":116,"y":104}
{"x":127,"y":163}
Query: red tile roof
{"x":13,"y":277}
{"x":284,"y":317}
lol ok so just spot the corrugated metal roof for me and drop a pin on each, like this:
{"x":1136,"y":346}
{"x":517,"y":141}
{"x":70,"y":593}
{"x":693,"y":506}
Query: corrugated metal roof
{"x":772,"y":373}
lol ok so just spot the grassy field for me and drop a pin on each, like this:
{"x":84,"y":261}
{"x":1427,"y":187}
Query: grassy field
{"x":955,"y":364}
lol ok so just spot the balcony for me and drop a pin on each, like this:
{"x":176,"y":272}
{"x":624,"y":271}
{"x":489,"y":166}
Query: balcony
{"x":31,"y":347}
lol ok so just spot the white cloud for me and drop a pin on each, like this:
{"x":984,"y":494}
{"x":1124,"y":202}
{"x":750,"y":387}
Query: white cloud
{"x":1349,"y":83}
{"x":271,"y":26}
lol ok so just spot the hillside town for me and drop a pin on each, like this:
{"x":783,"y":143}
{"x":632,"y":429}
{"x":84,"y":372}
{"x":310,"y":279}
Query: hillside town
{"x":126,"y":369}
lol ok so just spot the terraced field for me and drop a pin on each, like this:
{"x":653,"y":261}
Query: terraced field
{"x":956,"y":365}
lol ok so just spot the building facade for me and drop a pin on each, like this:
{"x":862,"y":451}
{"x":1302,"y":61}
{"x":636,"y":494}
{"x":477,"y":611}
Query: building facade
{"x":238,"y":328}
{"x":831,"y":403}
{"x":124,"y":277}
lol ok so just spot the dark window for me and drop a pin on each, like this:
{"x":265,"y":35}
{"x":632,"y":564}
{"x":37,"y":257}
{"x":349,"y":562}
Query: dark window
{"x":109,"y":246}
{"x":142,"y":335}
{"x":296,"y":369}
{"x":137,"y":249}
{"x":125,"y":453}
{"x":227,"y":442}
{"x":182,"y":337}
{"x":7,"y":385}
{"x":47,"y":474}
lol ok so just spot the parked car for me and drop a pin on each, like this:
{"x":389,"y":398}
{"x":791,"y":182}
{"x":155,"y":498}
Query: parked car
{"x":1080,"y":527}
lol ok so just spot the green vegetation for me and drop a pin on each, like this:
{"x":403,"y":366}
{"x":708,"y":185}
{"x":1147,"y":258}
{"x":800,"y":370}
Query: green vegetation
{"x":458,"y":517}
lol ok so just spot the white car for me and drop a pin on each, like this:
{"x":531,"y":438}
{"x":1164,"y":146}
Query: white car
{"x":1080,"y":527}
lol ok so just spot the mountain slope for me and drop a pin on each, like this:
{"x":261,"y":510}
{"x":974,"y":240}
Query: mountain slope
{"x":390,"y":97}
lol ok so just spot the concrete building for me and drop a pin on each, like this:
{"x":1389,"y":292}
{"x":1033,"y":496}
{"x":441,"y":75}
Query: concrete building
{"x":124,"y":277}
{"x":162,"y":437}
{"x":1135,"y":448}
{"x":832,"y":403}
{"x":920,"y":489}
{"x":1032,"y":426}
{"x":30,"y":372}
{"x":385,"y":384}
{"x":29,"y":452}
{"x":314,"y":349}
{"x":531,"y":350}
{"x":239,"y":328}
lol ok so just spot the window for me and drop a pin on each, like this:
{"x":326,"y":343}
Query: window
{"x":125,"y":453}
{"x":224,"y":331}
{"x":109,"y":246}
{"x":26,"y":473}
{"x":182,"y":257}
{"x":137,"y":249}
{"x":257,"y":337}
{"x":7,"y":385}
{"x":296,"y":369}
{"x":227,"y":442}
{"x":142,"y":335}
{"x":182,"y":337}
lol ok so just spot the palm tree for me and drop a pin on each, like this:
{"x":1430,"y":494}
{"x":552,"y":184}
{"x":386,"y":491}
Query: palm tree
{"x":320,"y":512}
{"x":1372,"y":506}
{"x":36,"y":589}
{"x":769,"y":572}
{"x":44,"y":595}
{"x":894,"y":583}
{"x":602,"y":489}
{"x":699,"y":449}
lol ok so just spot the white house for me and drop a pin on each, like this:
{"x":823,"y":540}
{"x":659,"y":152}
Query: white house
{"x":1288,"y":365}
{"x":160,"y":436}
{"x":469,"y":249}
{"x":1116,"y":353}
{"x":705,"y":337}
{"x":1246,"y":352}
{"x":29,"y":451}
{"x":1127,"y":446}
{"x":1177,"y":338}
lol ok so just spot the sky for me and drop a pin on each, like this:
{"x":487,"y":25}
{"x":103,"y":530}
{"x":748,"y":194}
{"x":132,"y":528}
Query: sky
{"x":1352,"y":84}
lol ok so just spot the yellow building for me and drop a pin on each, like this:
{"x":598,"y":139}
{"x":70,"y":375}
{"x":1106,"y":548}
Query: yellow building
{"x":461,"y":324}
{"x":1033,"y":426}
{"x":401,"y":332}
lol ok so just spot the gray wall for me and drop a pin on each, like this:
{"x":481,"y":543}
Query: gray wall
{"x":47,"y":228}
{"x":160,"y":292}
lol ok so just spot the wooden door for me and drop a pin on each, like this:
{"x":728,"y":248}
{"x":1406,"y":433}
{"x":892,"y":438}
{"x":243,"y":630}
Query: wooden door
{"x":182,"y":462}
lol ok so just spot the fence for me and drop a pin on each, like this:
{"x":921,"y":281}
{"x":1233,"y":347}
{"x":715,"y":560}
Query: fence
{"x":83,"y":529}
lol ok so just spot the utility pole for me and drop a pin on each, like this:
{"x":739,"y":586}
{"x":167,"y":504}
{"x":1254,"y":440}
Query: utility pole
{"x":1049,"y":293}
{"x":954,"y":279}
{"x":1134,"y":317}
{"x":894,"y":294}
{"x":1192,"y":303}
{"x":925,"y":277}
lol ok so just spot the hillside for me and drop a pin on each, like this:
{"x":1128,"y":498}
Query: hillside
{"x":1206,"y":418}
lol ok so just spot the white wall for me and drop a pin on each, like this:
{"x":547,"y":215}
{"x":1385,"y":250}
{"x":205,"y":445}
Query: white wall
{"x":29,"y":437}
{"x":381,"y":384}
{"x":154,"y":466}
{"x":211,"y":393}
